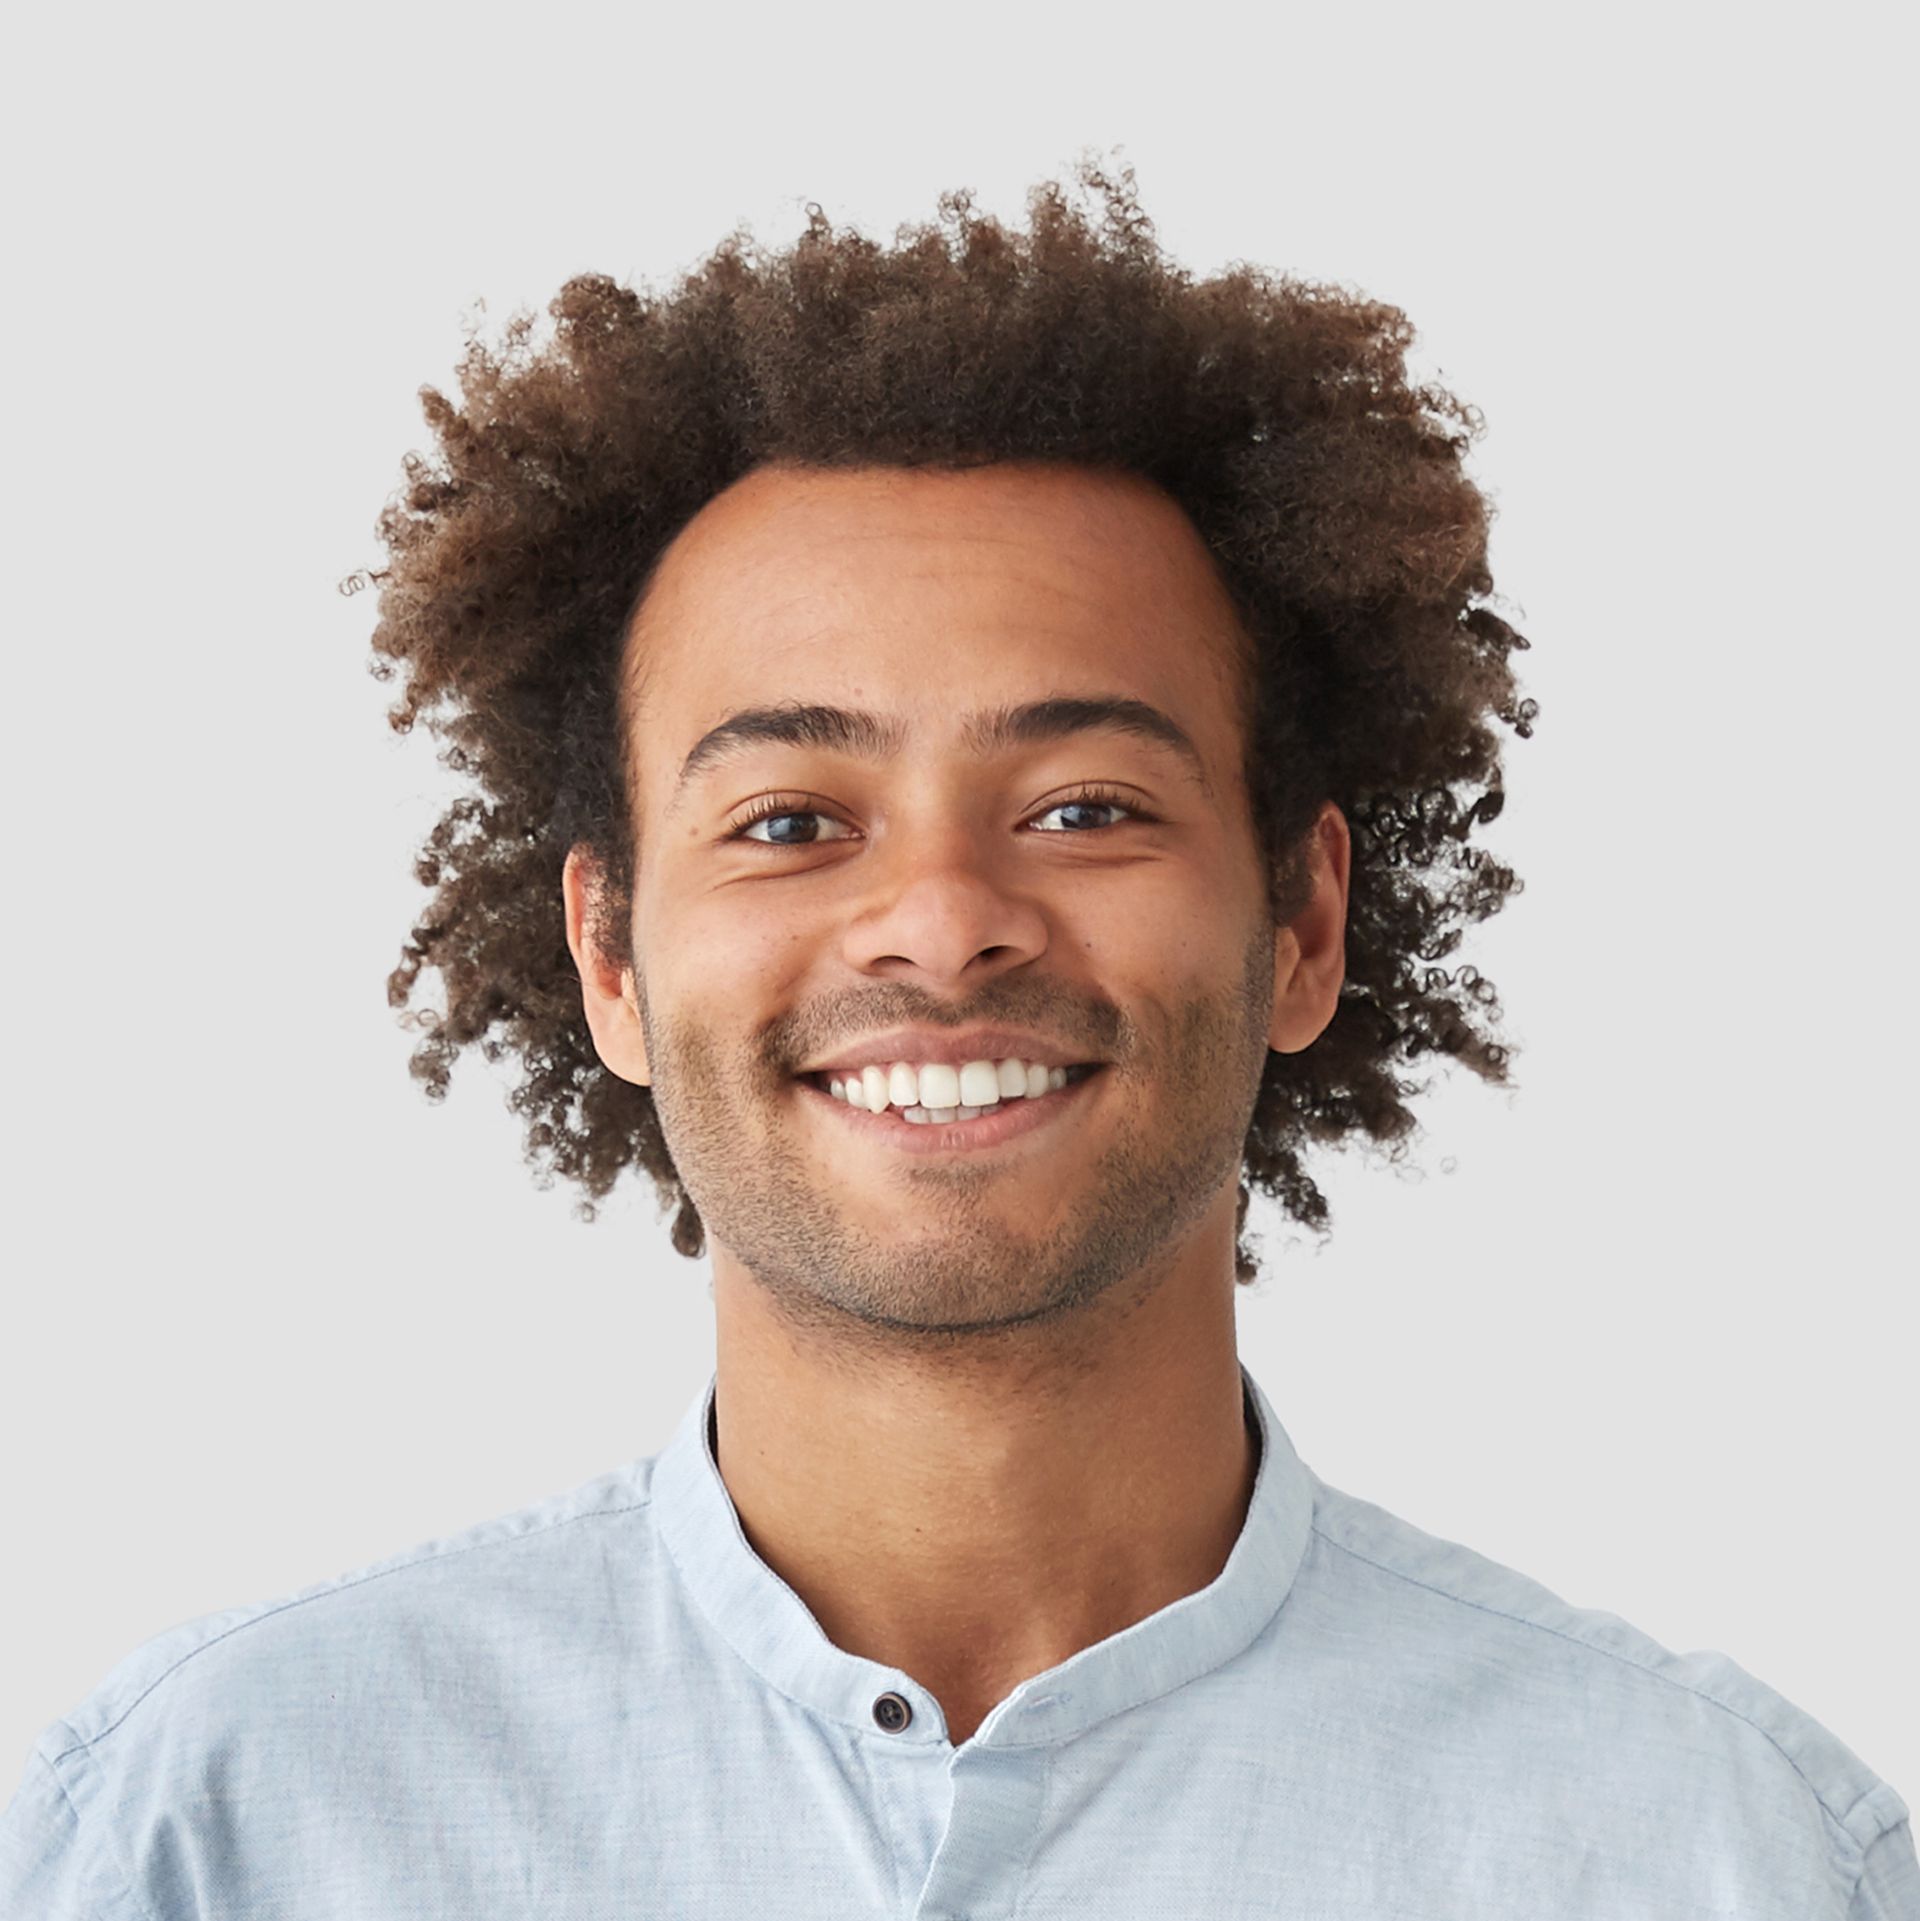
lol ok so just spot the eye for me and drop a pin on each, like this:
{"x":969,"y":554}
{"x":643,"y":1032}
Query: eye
{"x":778,"y":808}
{"x":1096,"y":797}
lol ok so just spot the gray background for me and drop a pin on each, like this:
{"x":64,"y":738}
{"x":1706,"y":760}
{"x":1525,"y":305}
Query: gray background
{"x":1641,"y":1328}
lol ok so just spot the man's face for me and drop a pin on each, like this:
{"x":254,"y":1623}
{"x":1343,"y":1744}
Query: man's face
{"x":942,"y":887}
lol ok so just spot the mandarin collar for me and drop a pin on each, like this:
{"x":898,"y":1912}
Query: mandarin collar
{"x":770,"y":1628}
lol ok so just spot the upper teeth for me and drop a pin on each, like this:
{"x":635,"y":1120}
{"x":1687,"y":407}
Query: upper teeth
{"x":935,"y":1086}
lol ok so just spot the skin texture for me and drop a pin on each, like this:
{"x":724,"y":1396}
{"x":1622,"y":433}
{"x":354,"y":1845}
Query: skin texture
{"x":978,"y":1410}
{"x":1326,"y":484}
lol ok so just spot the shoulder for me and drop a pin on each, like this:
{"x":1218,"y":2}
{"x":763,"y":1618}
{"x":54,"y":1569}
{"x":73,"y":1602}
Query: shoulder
{"x":457,"y":1580}
{"x":298,"y":1696}
{"x":1519,"y":1670}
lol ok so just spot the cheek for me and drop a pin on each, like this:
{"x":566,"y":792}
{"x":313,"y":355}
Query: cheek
{"x":724,"y":946}
{"x":1164,"y":950}
{"x":725,"y":977}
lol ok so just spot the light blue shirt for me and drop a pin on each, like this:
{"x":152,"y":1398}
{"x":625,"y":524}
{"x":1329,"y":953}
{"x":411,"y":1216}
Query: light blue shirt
{"x":606,"y":1706}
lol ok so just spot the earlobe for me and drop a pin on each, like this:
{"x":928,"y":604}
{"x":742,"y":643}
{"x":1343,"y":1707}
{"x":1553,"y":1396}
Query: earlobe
{"x":635,"y":1066}
{"x":1309,"y":960}
{"x":1283,"y":1028}
{"x":606,"y":989}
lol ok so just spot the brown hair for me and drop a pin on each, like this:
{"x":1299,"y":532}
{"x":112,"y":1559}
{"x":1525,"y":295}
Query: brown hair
{"x":1277,"y":412}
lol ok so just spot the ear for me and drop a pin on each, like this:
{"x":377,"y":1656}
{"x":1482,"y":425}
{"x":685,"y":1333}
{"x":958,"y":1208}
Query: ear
{"x":1310,"y":952}
{"x":606,"y":988}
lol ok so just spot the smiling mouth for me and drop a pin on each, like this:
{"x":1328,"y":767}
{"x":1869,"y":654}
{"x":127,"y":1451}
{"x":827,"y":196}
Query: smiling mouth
{"x":920,"y":1116}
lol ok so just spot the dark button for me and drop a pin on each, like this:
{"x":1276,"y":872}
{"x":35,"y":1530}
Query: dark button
{"x":893,"y":1712}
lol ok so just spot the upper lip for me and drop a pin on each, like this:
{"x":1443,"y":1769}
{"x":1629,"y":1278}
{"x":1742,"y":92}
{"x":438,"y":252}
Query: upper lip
{"x":921,"y":1045}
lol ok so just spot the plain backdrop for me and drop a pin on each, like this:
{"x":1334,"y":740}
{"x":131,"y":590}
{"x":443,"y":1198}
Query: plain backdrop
{"x":1641,"y":1327}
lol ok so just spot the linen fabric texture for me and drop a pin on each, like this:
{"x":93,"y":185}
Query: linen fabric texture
{"x":607,"y":1705}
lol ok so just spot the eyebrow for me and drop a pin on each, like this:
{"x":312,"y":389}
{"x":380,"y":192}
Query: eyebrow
{"x":991,"y":730}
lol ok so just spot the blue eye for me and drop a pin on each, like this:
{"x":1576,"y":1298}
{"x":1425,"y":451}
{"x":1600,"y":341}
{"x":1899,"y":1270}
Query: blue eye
{"x":1094,"y":797}
{"x":791,"y":807}
{"x":778,"y":807}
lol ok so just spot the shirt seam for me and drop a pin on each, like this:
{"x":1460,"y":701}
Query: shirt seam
{"x":337,"y":1587}
{"x":1049,"y":1760}
{"x":1859,"y":1882}
{"x":1880,"y":1790}
{"x":1860,"y":1879}
{"x":1626,"y":1660}
{"x":81,"y":1826}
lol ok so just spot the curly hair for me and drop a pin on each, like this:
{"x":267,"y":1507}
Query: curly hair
{"x":1276,"y":412}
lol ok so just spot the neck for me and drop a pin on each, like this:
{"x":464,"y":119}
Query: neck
{"x":977,"y":1523}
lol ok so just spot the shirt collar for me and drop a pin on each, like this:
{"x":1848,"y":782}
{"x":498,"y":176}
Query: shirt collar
{"x":772,"y":1630}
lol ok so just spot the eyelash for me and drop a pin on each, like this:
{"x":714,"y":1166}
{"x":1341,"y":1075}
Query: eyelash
{"x":773,"y":806}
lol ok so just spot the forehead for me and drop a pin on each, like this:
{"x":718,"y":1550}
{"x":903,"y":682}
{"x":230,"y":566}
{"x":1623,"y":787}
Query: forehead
{"x":928,"y":594}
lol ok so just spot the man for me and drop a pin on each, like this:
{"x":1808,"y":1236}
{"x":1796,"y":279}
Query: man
{"x":990,"y":716}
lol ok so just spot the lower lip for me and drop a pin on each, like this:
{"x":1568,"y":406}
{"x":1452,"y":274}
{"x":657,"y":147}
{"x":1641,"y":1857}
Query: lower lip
{"x":1008,"y":1121}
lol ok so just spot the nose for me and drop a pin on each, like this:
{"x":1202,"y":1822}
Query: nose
{"x":940,"y":909}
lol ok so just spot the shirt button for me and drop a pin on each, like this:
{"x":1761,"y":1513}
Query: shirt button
{"x":893,"y":1712}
